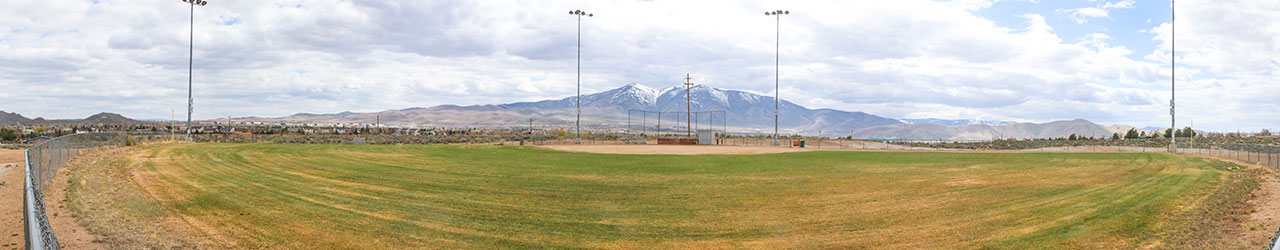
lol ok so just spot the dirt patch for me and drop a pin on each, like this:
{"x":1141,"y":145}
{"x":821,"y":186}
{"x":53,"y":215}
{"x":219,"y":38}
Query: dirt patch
{"x":1264,"y":219}
{"x":71,"y":233}
{"x":11,"y":156}
{"x":70,"y":230}
{"x":965,"y":182}
{"x":11,"y":165}
{"x":670,"y":149}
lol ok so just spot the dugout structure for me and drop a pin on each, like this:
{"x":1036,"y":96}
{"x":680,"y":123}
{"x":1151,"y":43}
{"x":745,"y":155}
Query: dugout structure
{"x":677,"y":127}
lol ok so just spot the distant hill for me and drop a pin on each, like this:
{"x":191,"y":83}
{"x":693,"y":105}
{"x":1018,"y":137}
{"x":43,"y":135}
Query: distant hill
{"x":7,"y":118}
{"x":945,"y":122}
{"x":746,"y":112}
{"x":100,"y":118}
{"x":925,"y":131}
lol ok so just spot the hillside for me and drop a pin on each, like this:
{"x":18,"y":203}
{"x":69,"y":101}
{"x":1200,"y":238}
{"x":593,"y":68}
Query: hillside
{"x":7,"y":118}
{"x":985,"y":132}
{"x":100,"y":118}
{"x":747,"y":112}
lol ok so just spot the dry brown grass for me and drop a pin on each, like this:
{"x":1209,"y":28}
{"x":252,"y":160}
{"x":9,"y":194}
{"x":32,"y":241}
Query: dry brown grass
{"x":116,"y":202}
{"x":344,"y":196}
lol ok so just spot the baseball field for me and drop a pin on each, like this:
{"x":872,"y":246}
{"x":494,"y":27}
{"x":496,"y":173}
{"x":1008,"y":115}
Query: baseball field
{"x":443,"y":196}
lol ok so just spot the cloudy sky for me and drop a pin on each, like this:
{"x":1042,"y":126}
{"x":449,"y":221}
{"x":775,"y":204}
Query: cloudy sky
{"x":1021,"y":60}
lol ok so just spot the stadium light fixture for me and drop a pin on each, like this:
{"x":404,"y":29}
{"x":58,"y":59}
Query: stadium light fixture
{"x":777,"y":14}
{"x":578,"y":122}
{"x":191,"y":60}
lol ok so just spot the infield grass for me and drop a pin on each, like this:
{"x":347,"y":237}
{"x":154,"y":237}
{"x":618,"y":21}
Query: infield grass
{"x":415,"y":196}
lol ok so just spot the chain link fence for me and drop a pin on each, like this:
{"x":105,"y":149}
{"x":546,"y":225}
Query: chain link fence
{"x":42,"y":163}
{"x":1264,"y":155}
{"x":645,"y":126}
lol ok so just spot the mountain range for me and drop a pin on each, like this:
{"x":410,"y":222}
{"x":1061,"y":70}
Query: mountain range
{"x":925,"y":131}
{"x":746,"y":112}
{"x":737,"y":111}
{"x":7,"y":118}
{"x":945,"y":122}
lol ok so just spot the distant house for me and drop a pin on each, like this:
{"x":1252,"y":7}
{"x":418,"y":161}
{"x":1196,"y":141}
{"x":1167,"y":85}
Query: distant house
{"x":37,"y":140}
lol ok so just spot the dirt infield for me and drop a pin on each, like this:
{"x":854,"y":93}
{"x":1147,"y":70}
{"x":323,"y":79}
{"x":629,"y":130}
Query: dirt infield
{"x":669,"y":149}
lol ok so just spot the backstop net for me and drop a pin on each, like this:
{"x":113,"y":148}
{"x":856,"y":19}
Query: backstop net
{"x":646,"y":126}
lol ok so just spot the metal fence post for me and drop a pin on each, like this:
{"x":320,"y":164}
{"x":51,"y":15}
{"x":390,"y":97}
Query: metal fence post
{"x":1253,"y":151}
{"x":1248,"y":153}
{"x":1270,"y":152}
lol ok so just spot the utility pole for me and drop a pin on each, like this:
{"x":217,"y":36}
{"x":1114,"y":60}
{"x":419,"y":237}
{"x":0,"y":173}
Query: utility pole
{"x":578,"y":123}
{"x":688,"y":105}
{"x":777,"y":54}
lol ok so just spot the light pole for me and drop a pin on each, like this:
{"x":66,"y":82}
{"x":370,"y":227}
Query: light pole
{"x":191,"y":60}
{"x":777,"y":14}
{"x":1173,"y":65}
{"x":578,"y":122}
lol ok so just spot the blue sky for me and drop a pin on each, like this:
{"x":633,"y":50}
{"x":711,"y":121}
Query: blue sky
{"x":1018,"y":60}
{"x":1126,"y":26}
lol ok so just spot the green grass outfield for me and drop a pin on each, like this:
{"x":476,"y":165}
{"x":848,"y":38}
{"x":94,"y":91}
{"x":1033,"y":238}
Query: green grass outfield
{"x":435,"y":196}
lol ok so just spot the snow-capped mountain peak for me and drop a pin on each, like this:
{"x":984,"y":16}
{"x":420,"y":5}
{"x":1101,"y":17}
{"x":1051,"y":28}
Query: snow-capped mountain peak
{"x":736,"y":110}
{"x":641,"y":93}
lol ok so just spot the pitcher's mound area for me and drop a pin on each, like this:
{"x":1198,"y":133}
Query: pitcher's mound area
{"x":669,"y":149}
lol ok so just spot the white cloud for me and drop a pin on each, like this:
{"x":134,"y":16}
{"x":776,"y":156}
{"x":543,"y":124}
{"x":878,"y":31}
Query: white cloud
{"x":1082,"y":15}
{"x":972,"y":5}
{"x":908,"y":58}
{"x":1227,"y":63}
{"x":1126,"y":4}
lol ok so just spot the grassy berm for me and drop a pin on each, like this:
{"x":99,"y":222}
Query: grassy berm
{"x":436,"y":196}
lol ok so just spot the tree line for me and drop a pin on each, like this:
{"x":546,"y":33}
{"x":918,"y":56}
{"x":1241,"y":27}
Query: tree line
{"x":1167,"y":133}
